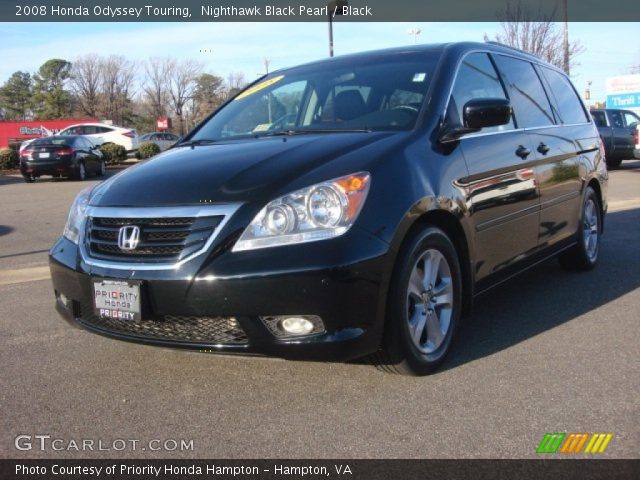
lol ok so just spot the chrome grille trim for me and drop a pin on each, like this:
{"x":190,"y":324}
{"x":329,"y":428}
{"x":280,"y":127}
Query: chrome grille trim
{"x":226,"y":211}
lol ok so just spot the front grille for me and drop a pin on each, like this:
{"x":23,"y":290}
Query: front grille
{"x":193,"y":329}
{"x":162,"y":240}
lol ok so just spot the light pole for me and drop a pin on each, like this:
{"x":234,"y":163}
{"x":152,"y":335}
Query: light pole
{"x":587,"y":93}
{"x":414,"y":32}
{"x":334,"y":6}
{"x":566,"y":37}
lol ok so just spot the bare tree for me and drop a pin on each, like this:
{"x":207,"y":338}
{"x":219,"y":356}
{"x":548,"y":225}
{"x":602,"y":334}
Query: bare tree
{"x":117,"y":88}
{"x":182,"y":83}
{"x":86,"y":73}
{"x":235,"y":83}
{"x":155,"y":91}
{"x":207,"y":96}
{"x":542,"y":37}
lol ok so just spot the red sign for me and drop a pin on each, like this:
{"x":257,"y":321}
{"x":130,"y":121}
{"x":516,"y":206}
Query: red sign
{"x":163,"y":123}
{"x":14,"y":133}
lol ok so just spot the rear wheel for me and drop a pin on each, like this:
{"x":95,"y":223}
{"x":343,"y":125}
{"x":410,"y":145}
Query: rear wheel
{"x":102,"y":169}
{"x":424,"y":305}
{"x":29,"y":178}
{"x":584,"y":255}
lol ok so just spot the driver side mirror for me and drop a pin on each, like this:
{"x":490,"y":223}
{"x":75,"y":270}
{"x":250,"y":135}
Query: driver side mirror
{"x":480,"y":113}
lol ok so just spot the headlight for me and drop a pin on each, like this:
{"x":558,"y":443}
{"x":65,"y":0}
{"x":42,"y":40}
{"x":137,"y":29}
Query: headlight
{"x":318,"y":212}
{"x":76,"y":217}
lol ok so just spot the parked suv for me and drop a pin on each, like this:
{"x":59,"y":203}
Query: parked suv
{"x":619,"y":132}
{"x":101,"y":134}
{"x":411,"y":181}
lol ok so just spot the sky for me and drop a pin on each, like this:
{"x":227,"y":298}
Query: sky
{"x":610,"y":48}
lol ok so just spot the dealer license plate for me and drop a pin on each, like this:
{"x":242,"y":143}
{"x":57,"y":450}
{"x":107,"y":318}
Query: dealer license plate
{"x":43,"y":155}
{"x":117,"y":299}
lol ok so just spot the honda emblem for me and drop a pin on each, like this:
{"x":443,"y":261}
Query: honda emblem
{"x":128,"y":237}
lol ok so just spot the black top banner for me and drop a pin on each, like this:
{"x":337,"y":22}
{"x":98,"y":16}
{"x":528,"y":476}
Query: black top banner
{"x":316,"y":10}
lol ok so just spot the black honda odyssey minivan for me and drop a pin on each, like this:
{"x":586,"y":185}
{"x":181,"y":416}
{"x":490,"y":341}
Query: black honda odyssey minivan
{"x":351,"y":206}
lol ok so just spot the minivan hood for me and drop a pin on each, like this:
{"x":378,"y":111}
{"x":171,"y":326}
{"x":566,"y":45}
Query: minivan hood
{"x":227,"y":171}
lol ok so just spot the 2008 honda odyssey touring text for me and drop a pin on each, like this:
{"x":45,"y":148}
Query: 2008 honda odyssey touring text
{"x":347,"y":207}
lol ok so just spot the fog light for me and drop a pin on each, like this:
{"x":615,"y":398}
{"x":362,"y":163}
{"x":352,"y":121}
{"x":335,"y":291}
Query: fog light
{"x":296,"y":325}
{"x":63,"y":299}
{"x":283,"y":326}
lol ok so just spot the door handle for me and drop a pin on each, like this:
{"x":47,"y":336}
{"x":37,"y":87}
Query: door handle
{"x":523,"y":152}
{"x":543,"y":149}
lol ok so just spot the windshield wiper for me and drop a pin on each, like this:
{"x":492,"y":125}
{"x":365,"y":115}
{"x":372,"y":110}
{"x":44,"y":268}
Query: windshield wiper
{"x":195,"y":143}
{"x":313,"y":131}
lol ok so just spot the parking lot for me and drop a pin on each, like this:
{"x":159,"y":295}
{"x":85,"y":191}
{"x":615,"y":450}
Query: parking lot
{"x":549,"y":352}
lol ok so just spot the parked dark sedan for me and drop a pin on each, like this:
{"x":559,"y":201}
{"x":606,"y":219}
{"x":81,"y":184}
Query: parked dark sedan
{"x":70,"y":156}
{"x":410,"y":181}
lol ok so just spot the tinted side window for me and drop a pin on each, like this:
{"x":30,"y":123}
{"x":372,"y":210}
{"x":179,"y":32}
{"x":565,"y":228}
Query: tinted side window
{"x":529,"y":100}
{"x":599,"y":118}
{"x":570,"y":108}
{"x":476,"y":78}
{"x":72,"y":131}
{"x":616,"y":119}
{"x":103,"y":129}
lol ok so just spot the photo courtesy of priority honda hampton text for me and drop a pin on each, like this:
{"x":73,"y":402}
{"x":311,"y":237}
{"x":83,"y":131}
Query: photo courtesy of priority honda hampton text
{"x":347,"y":207}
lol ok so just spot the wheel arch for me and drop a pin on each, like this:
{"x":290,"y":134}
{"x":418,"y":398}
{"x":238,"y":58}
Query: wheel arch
{"x":451,"y":225}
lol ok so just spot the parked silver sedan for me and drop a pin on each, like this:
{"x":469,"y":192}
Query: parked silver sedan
{"x":163,"y":140}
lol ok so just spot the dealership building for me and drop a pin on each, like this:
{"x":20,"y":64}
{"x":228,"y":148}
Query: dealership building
{"x":13,"y":133}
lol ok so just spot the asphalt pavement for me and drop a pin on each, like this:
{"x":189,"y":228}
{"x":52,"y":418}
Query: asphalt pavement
{"x":550,"y":351}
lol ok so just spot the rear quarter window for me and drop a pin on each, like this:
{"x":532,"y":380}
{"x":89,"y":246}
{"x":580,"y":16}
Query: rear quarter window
{"x":569,"y":108}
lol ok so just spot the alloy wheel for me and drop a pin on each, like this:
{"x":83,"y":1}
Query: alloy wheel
{"x":430,"y":301}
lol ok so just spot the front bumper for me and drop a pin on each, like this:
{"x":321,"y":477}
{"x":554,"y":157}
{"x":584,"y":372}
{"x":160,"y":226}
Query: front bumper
{"x":342,"y":281}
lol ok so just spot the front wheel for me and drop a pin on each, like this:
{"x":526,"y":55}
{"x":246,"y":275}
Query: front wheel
{"x":424,"y":305}
{"x":584,"y":255}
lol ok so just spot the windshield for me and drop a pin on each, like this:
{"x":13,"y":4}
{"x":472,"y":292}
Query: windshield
{"x":384,"y":94}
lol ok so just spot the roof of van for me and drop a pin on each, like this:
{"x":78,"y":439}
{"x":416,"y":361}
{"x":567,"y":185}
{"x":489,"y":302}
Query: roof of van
{"x":437,"y":48}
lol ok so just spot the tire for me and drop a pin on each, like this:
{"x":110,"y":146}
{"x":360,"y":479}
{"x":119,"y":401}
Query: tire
{"x":584,"y":254}
{"x":81,"y":173}
{"x":614,"y":163}
{"x":102,"y":170}
{"x":424,"y":305}
{"x":29,"y":179}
